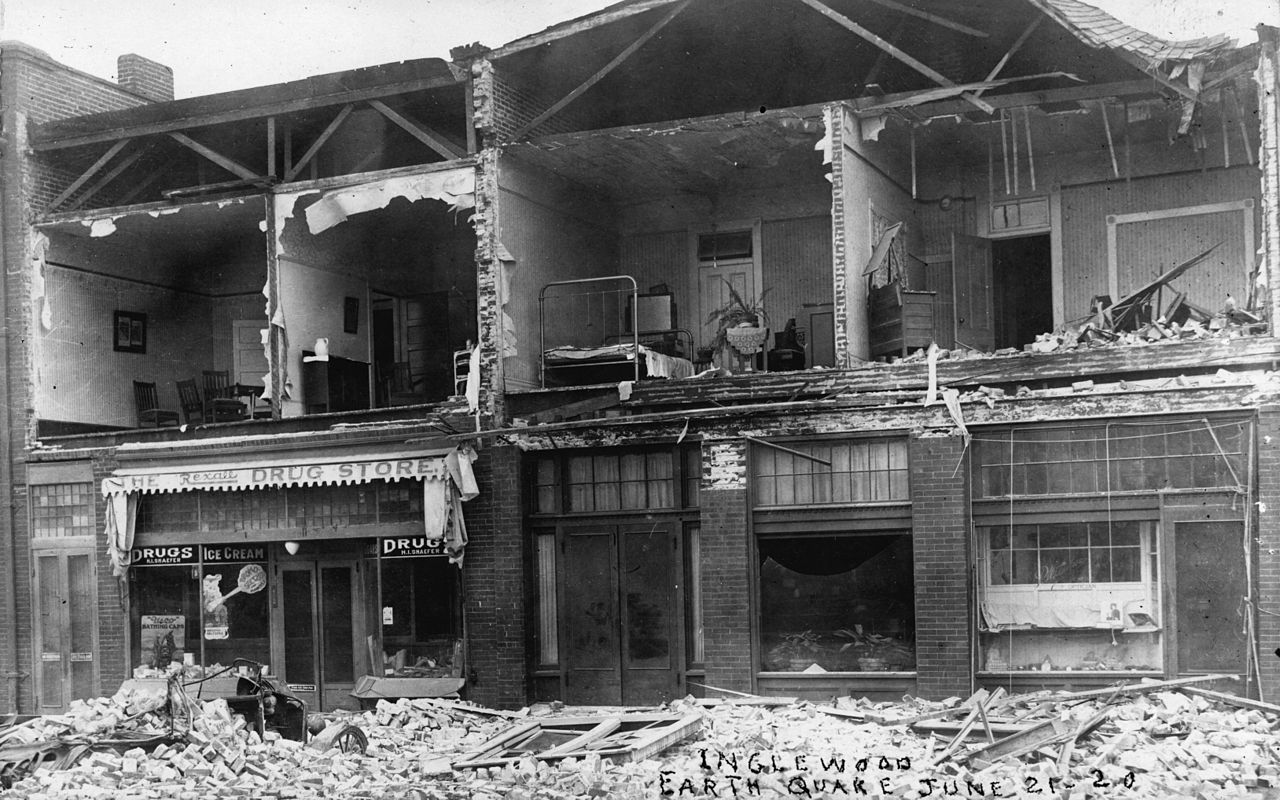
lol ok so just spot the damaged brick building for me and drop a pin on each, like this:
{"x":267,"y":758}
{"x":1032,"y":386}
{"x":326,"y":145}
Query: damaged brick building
{"x":1012,"y":420}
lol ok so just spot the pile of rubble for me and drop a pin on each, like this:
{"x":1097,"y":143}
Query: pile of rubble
{"x":1159,"y":739}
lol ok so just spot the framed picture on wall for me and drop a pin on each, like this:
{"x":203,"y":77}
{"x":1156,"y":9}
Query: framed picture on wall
{"x":351,"y":315}
{"x":130,"y":332}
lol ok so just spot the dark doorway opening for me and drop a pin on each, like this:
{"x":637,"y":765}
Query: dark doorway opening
{"x":384,"y":344}
{"x":1022,"y":289}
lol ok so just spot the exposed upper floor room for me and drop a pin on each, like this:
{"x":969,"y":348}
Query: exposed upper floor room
{"x":650,"y":60}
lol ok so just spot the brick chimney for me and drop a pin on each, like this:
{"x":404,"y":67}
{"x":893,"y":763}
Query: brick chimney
{"x":145,"y":77}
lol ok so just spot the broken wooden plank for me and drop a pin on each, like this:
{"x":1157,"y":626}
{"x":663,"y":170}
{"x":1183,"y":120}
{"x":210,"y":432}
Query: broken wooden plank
{"x":1143,"y":688}
{"x":627,"y":737}
{"x":937,"y":19}
{"x":1042,"y":735}
{"x":951,"y":727}
{"x":1231,"y":699}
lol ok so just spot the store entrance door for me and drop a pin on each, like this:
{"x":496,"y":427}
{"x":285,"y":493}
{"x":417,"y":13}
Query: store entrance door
{"x":622,"y":624}
{"x":1209,"y":582}
{"x":315,"y":632}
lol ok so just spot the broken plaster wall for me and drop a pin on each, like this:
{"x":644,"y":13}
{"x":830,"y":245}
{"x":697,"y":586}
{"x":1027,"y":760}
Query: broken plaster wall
{"x":1268,"y":79}
{"x":329,"y":247}
{"x":553,"y":230}
{"x":865,"y":182}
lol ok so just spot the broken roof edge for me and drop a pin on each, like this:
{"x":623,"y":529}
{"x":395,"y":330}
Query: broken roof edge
{"x":586,"y":22}
{"x":16,"y":46}
{"x":331,"y":88}
{"x":705,"y":124}
{"x":1101,"y":30}
{"x":155,"y":208}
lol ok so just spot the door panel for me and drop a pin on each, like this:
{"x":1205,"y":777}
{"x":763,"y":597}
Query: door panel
{"x":713,"y":293}
{"x":649,"y":617}
{"x":1209,"y":572}
{"x":249,"y":361}
{"x":592,"y":657}
{"x":317,"y":629}
{"x":66,"y":629}
{"x":297,"y":627}
{"x":971,"y":276}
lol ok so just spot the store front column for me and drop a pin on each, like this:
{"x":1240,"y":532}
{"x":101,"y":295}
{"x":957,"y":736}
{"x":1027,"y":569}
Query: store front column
{"x":940,"y":526}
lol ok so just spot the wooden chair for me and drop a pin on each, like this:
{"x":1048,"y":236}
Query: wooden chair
{"x":147,"y":401}
{"x":219,"y":404}
{"x":402,"y":388}
{"x":189,"y":399}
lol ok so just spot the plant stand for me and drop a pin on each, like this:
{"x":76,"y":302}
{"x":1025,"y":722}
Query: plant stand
{"x":745,"y":343}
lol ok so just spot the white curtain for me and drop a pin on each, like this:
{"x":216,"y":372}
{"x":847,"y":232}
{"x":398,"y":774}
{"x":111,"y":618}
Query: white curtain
{"x":122,"y":518}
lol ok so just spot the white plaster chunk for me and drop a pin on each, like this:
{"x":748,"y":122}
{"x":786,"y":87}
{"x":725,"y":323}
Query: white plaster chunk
{"x":100,"y":227}
{"x":456,"y":187}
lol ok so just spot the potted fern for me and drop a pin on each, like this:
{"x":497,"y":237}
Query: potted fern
{"x":741,"y":323}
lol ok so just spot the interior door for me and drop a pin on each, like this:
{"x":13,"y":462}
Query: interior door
{"x":1209,"y":582}
{"x":316,"y":631}
{"x":971,"y":276}
{"x":713,"y":293}
{"x":621,"y":621}
{"x":249,"y":361}
{"x":66,"y":628}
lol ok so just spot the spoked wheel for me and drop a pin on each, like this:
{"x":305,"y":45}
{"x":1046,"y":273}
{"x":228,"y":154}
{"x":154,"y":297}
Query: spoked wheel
{"x":351,"y":740}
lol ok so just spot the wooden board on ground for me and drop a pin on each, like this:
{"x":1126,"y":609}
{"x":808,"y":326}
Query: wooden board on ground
{"x":624,"y":737}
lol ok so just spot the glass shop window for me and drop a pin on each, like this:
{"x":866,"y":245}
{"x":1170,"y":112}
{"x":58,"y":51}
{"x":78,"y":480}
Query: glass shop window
{"x":845,"y":603}
{"x":237,"y":622}
{"x":420,"y":610}
{"x":1193,"y":454}
{"x":164,"y":615}
{"x":1070,"y":595}
{"x":831,"y":473}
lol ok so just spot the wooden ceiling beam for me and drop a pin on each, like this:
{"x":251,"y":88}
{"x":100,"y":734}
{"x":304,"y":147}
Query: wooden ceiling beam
{"x":951,"y":108}
{"x":292,"y":172}
{"x":275,"y":108}
{"x":87,"y":174}
{"x":422,"y":133}
{"x":230,"y":165}
{"x":1017,"y":44}
{"x":111,"y":175}
{"x":936,"y":19}
{"x":601,"y":73}
{"x":896,"y":52}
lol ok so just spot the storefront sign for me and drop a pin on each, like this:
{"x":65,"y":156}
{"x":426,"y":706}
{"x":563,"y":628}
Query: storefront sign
{"x":234,"y":553}
{"x":162,"y":638}
{"x":171,"y":555}
{"x":300,"y":687}
{"x":82,"y":657}
{"x":412,"y":546}
{"x":232,"y":477}
{"x":163,"y":556}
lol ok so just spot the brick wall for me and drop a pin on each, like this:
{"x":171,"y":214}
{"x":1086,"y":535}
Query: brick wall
{"x":143,"y":76}
{"x":1268,"y":536}
{"x":726,"y":569}
{"x":494,"y":583}
{"x":34,"y":88}
{"x":940,"y":529}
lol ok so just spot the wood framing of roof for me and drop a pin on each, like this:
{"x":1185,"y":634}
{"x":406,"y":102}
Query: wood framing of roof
{"x":247,"y":104}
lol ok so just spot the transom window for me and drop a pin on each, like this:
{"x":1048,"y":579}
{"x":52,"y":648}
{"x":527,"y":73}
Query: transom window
{"x":634,"y":481}
{"x":1066,"y":552}
{"x":1120,"y":457}
{"x":62,"y":509}
{"x":830,"y":473}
